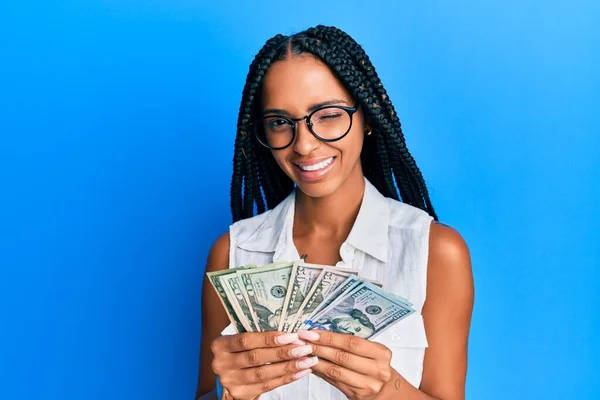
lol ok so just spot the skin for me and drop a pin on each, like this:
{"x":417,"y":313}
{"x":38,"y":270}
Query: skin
{"x":325,"y":212}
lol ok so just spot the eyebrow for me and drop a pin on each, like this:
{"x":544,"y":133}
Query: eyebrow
{"x":310,"y":109}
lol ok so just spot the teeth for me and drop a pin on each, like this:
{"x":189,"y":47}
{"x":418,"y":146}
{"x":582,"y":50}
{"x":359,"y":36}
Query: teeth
{"x":316,"y":167}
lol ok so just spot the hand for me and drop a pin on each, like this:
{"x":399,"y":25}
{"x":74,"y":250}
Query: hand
{"x":241,"y":361}
{"x":356,"y":366}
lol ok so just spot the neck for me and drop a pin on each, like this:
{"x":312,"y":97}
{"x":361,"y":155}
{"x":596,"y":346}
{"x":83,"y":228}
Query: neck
{"x":332,"y":215}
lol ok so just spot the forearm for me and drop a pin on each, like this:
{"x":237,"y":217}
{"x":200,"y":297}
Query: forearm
{"x":399,"y":388}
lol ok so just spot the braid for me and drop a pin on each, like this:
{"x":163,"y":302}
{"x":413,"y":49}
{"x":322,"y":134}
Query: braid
{"x":385,"y":158}
{"x":256,"y":192}
{"x":409,"y":178}
{"x":244,"y":172}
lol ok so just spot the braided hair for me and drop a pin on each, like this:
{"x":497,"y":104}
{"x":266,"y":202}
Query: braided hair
{"x":386,"y":161}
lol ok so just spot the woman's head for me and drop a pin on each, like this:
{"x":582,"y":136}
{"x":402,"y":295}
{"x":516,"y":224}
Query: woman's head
{"x":311,"y":123}
{"x":353,"y":128}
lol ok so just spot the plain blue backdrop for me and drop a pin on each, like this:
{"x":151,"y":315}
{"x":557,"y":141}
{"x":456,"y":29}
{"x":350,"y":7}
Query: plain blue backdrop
{"x":117,"y":121}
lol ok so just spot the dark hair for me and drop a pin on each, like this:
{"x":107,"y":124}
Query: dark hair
{"x":385,"y":158}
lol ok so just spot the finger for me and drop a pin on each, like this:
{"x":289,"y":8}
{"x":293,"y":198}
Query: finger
{"x":272,"y":384}
{"x":347,"y":390}
{"x":353,"y":362}
{"x":343,"y":375}
{"x":255,"y":357}
{"x":255,"y":340}
{"x":350,"y":343}
{"x":265,"y":373}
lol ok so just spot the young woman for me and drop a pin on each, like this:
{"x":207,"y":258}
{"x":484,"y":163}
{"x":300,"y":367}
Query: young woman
{"x":321,"y":154}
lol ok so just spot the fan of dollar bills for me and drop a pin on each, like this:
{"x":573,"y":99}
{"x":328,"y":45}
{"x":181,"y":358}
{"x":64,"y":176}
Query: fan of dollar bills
{"x":295,"y":295}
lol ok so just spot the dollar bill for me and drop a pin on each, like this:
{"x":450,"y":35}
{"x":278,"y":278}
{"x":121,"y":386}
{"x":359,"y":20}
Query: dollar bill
{"x":373,"y":281}
{"x":265,"y":289}
{"x":302,"y":278}
{"x":213,"y":277}
{"x":327,"y":282}
{"x":350,"y":283}
{"x":364,"y":312}
{"x":235,"y":293}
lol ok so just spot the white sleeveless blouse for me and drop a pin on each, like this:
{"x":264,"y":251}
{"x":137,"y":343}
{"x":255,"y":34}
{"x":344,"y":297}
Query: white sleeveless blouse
{"x":389,"y":242}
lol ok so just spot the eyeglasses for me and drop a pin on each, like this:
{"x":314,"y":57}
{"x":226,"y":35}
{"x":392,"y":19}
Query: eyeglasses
{"x":328,"y":124}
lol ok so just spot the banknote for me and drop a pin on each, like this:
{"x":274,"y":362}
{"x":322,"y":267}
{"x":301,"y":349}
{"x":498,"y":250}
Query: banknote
{"x":293,"y":295}
{"x":327,"y":282}
{"x":365,"y":311}
{"x":265,"y":288}
{"x":373,"y":281}
{"x":213,"y":277}
{"x":302,"y":278}
{"x":235,"y":292}
{"x":350,"y":283}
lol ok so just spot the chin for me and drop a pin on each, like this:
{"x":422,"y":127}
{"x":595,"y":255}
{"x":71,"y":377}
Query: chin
{"x":317,"y":189}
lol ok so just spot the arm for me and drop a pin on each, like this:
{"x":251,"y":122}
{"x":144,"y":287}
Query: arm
{"x":214,"y":318}
{"x":361,"y":369}
{"x":447,"y":315}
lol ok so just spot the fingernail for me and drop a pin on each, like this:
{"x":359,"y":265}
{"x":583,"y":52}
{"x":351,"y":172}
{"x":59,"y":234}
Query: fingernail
{"x":299,"y":343}
{"x":300,"y":374}
{"x":308,"y":362}
{"x":301,"y":351}
{"x":286,"y":339}
{"x":308,"y":335}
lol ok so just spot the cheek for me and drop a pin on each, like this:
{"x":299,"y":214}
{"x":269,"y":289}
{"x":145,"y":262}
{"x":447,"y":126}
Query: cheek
{"x":278,"y":156}
{"x":352,"y":147}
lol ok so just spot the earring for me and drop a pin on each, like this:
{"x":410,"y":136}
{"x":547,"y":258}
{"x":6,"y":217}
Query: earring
{"x":369,"y":132}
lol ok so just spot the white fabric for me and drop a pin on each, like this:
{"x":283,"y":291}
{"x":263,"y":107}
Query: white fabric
{"x":389,"y":242}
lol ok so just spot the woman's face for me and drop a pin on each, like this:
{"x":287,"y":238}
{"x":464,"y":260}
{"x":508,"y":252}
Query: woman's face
{"x":291,"y":88}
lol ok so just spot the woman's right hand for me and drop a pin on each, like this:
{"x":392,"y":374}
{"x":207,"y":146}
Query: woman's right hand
{"x":252,"y":363}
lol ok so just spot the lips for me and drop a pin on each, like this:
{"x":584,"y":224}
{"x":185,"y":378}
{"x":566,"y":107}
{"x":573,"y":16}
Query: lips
{"x":314,"y":170}
{"x":315,"y":165}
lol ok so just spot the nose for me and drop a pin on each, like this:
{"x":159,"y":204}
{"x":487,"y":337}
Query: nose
{"x":305,"y":142}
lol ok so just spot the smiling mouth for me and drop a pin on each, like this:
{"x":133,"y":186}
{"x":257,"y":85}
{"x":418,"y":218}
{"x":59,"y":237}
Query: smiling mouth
{"x":317,"y":166}
{"x":314,"y":172}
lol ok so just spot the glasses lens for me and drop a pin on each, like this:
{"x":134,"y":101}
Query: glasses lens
{"x":274,"y":131}
{"x":331,"y":122}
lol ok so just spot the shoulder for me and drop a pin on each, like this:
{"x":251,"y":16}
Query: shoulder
{"x":406,"y":216}
{"x":265,"y":223}
{"x":448,"y":251}
{"x":218,"y":256}
{"x":252,"y":228}
{"x":238,"y":232}
{"x":449,"y":272}
{"x":252,"y":222}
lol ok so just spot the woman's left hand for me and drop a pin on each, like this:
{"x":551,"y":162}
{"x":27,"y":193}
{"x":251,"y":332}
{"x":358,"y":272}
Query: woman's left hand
{"x":356,"y":366}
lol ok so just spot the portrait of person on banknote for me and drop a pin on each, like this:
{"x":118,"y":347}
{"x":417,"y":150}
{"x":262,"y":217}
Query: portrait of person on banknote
{"x":346,"y":320}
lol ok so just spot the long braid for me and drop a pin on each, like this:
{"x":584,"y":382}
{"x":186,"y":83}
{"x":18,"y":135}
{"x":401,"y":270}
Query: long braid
{"x":243,"y":172}
{"x":374,"y":108}
{"x":411,"y":183}
{"x":385,"y":156}
{"x":260,"y":203}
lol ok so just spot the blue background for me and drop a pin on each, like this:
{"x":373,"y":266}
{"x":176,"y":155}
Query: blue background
{"x":117,"y":122}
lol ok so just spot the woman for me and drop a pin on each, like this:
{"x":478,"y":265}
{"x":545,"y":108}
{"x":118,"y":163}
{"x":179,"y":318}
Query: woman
{"x":319,"y":150}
